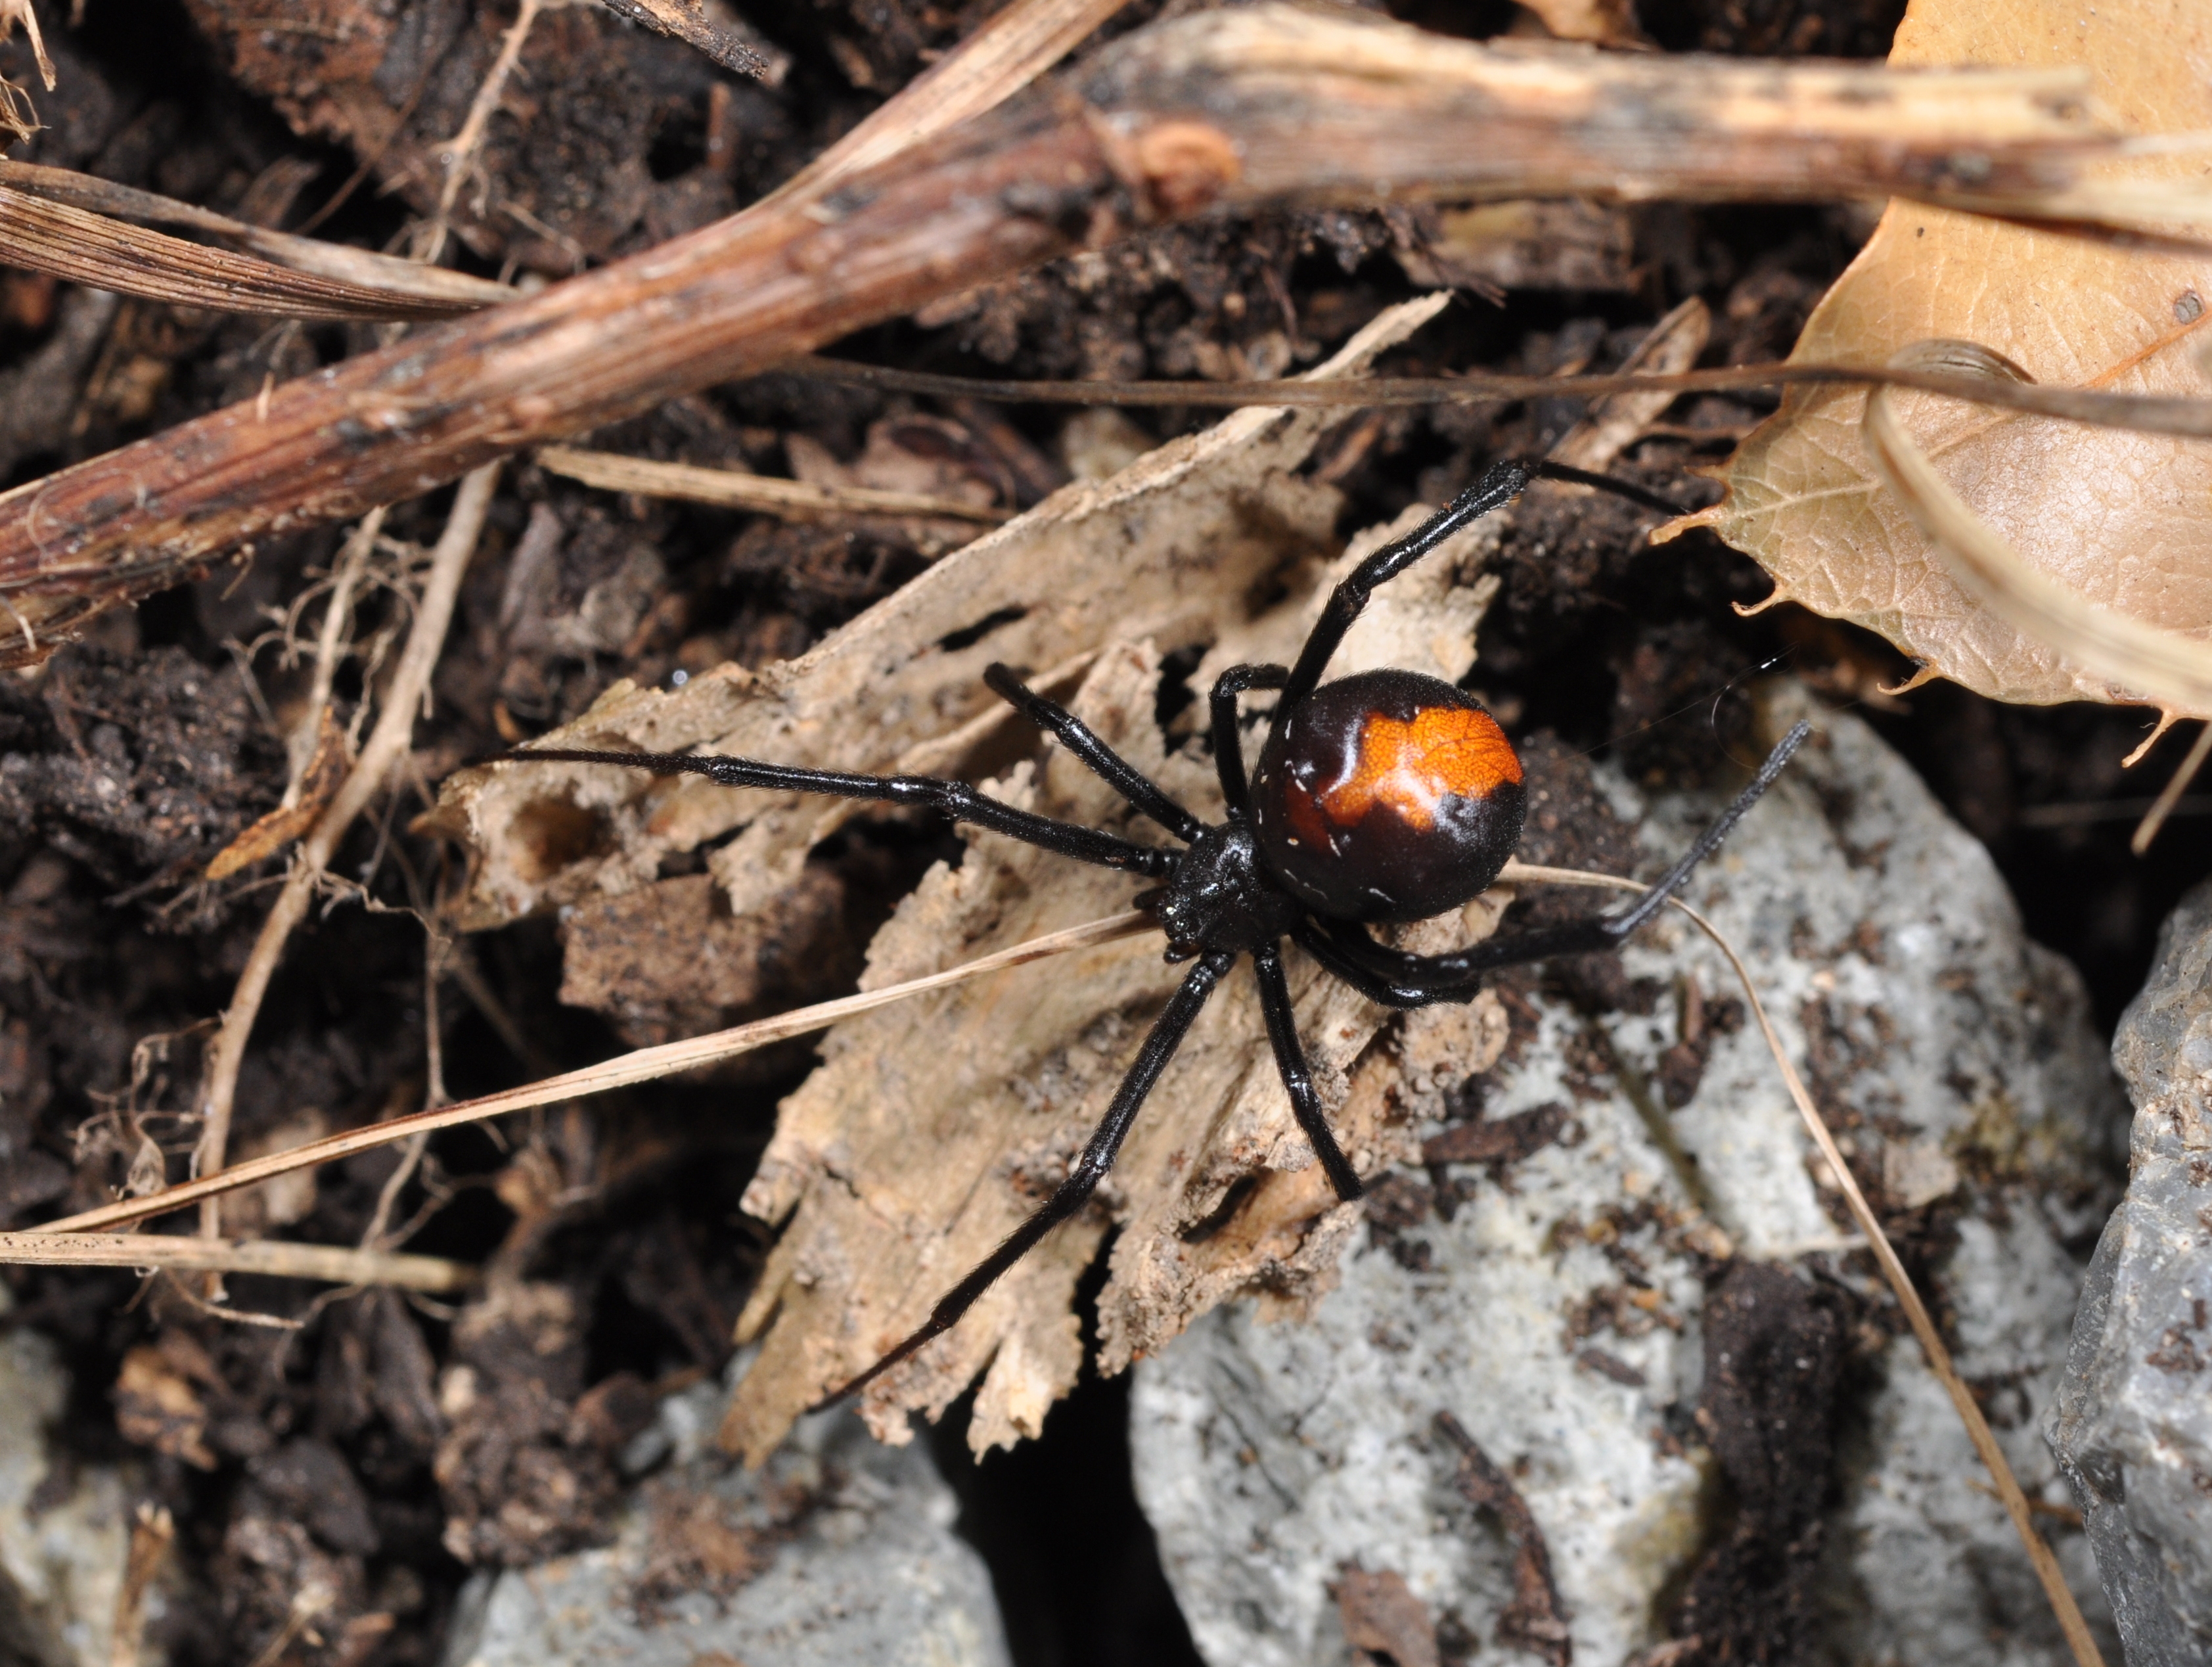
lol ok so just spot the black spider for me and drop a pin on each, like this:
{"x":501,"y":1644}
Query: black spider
{"x":1383,"y":797}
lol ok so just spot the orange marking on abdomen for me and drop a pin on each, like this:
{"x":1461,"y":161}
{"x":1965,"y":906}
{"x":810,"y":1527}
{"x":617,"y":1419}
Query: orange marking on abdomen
{"x":1446,"y":752}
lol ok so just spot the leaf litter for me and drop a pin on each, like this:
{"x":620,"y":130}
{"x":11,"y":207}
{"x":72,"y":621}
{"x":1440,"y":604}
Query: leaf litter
{"x":2115,"y":516}
{"x":1100,"y":683}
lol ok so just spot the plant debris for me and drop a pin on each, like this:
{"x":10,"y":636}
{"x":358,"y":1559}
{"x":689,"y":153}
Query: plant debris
{"x":322,"y":1468}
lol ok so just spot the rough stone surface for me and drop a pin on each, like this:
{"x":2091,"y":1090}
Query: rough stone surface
{"x":1554,"y":1303}
{"x":64,"y":1530}
{"x":2133,"y":1422}
{"x":837,"y":1551}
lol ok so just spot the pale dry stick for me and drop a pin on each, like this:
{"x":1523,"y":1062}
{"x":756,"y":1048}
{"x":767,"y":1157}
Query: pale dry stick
{"x":2162,"y":807}
{"x":395,"y":728}
{"x":2015,"y":1501}
{"x":643,"y":1066}
{"x":2139,"y":660}
{"x":373,"y":1236}
{"x":726,"y":488}
{"x":460,"y":153}
{"x":330,"y":643}
{"x":990,"y":66}
{"x":279,"y":1258}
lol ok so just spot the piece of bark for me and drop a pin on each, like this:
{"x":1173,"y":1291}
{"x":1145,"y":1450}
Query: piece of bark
{"x":1232,"y":108}
{"x":1536,"y":1620}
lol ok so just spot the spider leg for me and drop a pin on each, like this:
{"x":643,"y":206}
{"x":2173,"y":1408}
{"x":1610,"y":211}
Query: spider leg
{"x":1091,"y":1168}
{"x":1377,"y":985}
{"x":954,"y":798}
{"x":1290,"y":1061}
{"x":1445,"y":977}
{"x":1228,"y":743}
{"x":1500,"y":485}
{"x":1109,"y":766}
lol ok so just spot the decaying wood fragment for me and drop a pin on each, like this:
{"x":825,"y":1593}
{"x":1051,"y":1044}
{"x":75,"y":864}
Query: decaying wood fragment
{"x":929,"y":1132}
{"x":1245,"y":108}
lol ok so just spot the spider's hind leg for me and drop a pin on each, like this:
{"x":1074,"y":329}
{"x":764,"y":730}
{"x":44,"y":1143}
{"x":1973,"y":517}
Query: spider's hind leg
{"x":1297,"y":1078}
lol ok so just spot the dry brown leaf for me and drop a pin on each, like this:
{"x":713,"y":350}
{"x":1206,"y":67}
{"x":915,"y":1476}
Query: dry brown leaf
{"x":2116,"y":517}
{"x":156,"y":1405}
{"x":318,"y":783}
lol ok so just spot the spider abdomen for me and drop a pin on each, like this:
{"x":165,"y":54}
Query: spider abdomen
{"x":1388,"y":796}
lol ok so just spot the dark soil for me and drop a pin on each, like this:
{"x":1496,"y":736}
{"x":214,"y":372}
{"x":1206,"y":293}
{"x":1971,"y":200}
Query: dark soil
{"x":387,"y":1447}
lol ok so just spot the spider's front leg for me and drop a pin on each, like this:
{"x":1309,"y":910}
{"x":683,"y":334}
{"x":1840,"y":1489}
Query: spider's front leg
{"x":1499,"y":485}
{"x":955,"y":800}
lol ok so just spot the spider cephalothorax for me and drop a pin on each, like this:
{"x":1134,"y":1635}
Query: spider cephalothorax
{"x":1385,"y":796}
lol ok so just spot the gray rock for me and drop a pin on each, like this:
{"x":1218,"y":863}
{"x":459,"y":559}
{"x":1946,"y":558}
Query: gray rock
{"x":837,"y":1551}
{"x":1556,"y":1313}
{"x":2133,"y":1423}
{"x":62,"y":1548}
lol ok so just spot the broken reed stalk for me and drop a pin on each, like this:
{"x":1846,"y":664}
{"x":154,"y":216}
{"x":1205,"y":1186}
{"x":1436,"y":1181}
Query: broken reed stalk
{"x":376,"y":275}
{"x":104,"y":253}
{"x":726,"y":488}
{"x":279,"y":1258}
{"x":2015,"y":1501}
{"x":2139,"y":660}
{"x":644,"y":1064}
{"x":387,"y":743}
{"x":1231,"y":109}
{"x":331,"y":640}
{"x":2147,"y":413}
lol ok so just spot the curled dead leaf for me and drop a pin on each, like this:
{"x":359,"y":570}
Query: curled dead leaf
{"x":2140,"y":661}
{"x":2110,"y":519}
